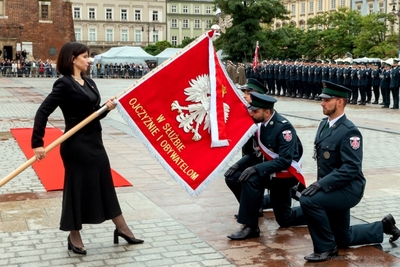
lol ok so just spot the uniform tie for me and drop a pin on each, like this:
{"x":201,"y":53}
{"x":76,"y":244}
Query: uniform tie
{"x":326,"y":127}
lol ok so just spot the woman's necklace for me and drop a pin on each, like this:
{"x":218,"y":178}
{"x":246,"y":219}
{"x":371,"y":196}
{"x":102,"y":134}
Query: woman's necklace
{"x":77,"y":79}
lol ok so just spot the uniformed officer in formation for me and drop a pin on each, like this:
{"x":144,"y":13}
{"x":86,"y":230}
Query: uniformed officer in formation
{"x":301,"y":78}
{"x":248,"y":178}
{"x":340,"y":184}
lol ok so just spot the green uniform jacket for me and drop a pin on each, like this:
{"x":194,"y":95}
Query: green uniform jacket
{"x":338,"y":153}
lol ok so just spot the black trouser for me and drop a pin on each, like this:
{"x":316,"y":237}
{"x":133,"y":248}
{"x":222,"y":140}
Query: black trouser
{"x":329,"y":221}
{"x":362,"y":93}
{"x":354,"y":91}
{"x":395,"y":95}
{"x":250,"y":195}
{"x":376,"y":93}
{"x":368,"y":91}
{"x":385,"y":96}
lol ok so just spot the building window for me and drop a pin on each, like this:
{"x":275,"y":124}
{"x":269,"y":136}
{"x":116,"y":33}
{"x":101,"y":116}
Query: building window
{"x":333,"y":4}
{"x":138,"y":15}
{"x":173,"y":9}
{"x":311,"y":7}
{"x":92,"y":35}
{"x":155,"y":36}
{"x":208,"y":24}
{"x":359,"y":8}
{"x":92,"y":13}
{"x":381,"y":8}
{"x":174,"y":23}
{"x":208,"y":10}
{"x":293,"y":10}
{"x":78,"y":34}
{"x":319,"y":5}
{"x":109,"y":13}
{"x":124,"y":35}
{"x":44,"y":9}
{"x":155,"y":15}
{"x":196,"y":10}
{"x":2,"y":8}
{"x":174,"y":40}
{"x":124,"y":14}
{"x":138,"y":36}
{"x":371,"y":8}
{"x":197,"y":24}
{"x":109,"y":35}
{"x":77,"y":13}
{"x":342,"y":2}
{"x":185,"y":9}
{"x":185,"y":23}
{"x":303,"y":8}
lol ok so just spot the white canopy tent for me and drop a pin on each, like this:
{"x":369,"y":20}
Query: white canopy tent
{"x":124,"y":54}
{"x":166,"y":54}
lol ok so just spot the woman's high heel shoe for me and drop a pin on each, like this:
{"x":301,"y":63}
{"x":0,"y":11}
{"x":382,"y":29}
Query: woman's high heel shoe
{"x":76,"y":250}
{"x":130,"y":240}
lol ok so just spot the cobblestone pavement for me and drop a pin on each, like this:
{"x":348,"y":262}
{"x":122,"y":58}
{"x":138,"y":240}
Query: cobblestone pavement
{"x":180,"y":230}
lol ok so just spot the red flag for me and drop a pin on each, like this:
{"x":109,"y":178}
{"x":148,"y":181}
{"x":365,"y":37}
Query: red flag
{"x":255,"y":59}
{"x":189,"y":115}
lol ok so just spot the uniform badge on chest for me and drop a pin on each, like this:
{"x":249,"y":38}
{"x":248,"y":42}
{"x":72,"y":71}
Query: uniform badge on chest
{"x":327,"y":155}
{"x":287,"y":135}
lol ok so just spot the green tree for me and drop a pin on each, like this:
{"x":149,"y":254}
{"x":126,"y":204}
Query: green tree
{"x":239,"y":41}
{"x":185,"y":42}
{"x":335,"y":32}
{"x":157,"y":48}
{"x":372,"y":40}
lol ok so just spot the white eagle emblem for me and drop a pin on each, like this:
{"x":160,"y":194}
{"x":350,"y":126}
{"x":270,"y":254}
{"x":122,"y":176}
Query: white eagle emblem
{"x":193,"y":115}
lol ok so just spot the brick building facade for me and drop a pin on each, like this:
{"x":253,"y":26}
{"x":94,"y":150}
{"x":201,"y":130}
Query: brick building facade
{"x":37,"y":26}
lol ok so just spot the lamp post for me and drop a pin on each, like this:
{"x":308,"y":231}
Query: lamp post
{"x":397,"y":12}
{"x":148,"y":31}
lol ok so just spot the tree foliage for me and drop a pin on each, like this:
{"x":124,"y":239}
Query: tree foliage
{"x":239,"y":40}
{"x":328,"y":35}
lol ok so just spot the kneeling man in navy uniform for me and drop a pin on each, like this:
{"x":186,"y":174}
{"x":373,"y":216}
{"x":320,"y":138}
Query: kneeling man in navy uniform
{"x":326,"y":204}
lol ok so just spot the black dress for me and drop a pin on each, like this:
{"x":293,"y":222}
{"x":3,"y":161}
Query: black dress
{"x":89,"y":195}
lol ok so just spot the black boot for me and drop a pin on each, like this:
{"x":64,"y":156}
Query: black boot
{"x":389,"y":227}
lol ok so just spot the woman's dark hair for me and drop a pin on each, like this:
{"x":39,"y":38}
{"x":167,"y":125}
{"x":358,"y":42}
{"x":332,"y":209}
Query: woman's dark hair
{"x":68,"y":52}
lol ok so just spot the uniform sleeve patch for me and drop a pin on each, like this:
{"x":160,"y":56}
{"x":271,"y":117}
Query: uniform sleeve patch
{"x":355,"y":142}
{"x":287,"y":135}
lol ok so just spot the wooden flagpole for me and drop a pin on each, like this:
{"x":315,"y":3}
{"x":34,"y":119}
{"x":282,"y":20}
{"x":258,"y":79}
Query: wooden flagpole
{"x":55,"y":143}
{"x":80,"y":125}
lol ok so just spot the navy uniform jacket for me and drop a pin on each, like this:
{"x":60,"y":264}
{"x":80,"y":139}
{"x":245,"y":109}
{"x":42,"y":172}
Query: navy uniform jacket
{"x":385,"y":79}
{"x":375,"y":77}
{"x":279,"y":136}
{"x":339,"y":75}
{"x":338,"y":152}
{"x":394,"y":77}
{"x":332,"y":75}
{"x":362,"y":77}
{"x":347,"y":76}
{"x":318,"y":74}
{"x":354,"y":78}
{"x":304,"y":73}
{"x":311,"y":73}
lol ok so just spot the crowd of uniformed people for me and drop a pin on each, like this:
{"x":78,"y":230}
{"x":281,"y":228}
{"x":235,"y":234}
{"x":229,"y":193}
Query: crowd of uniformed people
{"x":373,"y":82}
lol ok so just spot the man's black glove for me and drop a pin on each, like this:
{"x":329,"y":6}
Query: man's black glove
{"x":247,"y":173}
{"x":231,"y":170}
{"x":311,"y":189}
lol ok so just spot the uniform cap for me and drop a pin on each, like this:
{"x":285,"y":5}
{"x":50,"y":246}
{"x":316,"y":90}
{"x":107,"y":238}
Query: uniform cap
{"x":261,"y":101}
{"x":253,"y":84}
{"x":332,"y":90}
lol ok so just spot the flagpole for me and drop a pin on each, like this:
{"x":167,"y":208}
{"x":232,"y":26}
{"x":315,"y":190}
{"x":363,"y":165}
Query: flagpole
{"x":94,"y":115}
{"x":53,"y":145}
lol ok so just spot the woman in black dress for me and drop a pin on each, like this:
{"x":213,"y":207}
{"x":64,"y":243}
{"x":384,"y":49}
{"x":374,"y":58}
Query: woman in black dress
{"x":89,"y":195}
